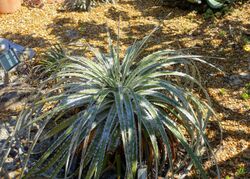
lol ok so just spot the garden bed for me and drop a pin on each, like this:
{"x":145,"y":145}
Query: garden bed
{"x":221,"y":37}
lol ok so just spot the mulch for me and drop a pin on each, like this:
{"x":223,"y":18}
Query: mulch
{"x":220,"y":37}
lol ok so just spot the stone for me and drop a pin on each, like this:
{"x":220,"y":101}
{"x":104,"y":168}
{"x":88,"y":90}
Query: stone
{"x":72,"y":34}
{"x":9,"y":164}
{"x":245,"y":75}
{"x":4,"y":134}
{"x":235,"y":80}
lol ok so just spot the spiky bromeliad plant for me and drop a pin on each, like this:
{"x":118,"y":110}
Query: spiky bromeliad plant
{"x":106,"y":110}
{"x":52,"y":62}
{"x":84,"y":5}
{"x":215,"y":4}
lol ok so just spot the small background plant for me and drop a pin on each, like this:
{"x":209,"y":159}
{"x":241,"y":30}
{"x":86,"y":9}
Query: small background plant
{"x":241,"y":171}
{"x":83,"y":5}
{"x":246,"y":93}
{"x":52,"y":61}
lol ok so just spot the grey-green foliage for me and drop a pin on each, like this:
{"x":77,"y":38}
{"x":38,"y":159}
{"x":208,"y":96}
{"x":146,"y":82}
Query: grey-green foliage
{"x":87,"y":4}
{"x":84,"y":5}
{"x":214,"y":4}
{"x":105,"y":104}
{"x":53,"y":60}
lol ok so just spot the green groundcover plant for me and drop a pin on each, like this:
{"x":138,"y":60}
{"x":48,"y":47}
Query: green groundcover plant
{"x":121,"y":114}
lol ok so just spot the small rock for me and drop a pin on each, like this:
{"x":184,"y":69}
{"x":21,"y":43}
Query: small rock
{"x":245,"y":75}
{"x":10,"y":164}
{"x":235,"y":80}
{"x":72,"y":34}
{"x":4,"y":134}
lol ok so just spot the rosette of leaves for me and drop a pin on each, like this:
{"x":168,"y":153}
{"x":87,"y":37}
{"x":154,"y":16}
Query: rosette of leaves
{"x":52,"y":61}
{"x":119,"y":115}
{"x":83,"y":5}
{"x":214,"y":4}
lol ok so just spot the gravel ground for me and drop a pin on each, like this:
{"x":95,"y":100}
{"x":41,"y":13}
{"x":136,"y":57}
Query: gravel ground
{"x":222,"y":37}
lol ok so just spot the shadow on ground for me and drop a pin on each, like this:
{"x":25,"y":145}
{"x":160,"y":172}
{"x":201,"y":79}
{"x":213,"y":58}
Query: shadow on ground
{"x":180,"y":29}
{"x":28,"y":40}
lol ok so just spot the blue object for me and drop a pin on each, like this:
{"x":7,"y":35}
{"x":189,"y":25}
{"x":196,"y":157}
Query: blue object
{"x":18,"y":49}
{"x":6,"y":45}
{"x":9,"y":59}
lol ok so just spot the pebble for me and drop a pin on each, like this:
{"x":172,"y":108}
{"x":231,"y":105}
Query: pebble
{"x":238,"y":79}
{"x":10,"y":164}
{"x":235,"y":80}
{"x":4,"y":134}
{"x":245,"y":75}
{"x":72,"y":34}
